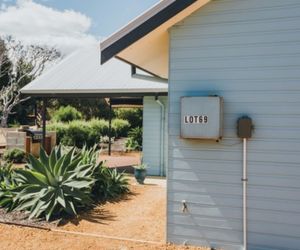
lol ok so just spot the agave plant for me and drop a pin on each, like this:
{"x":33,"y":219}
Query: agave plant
{"x":109,"y":183}
{"x":54,"y":184}
{"x":7,"y":183}
{"x":90,"y":155}
{"x":6,"y":172}
{"x":62,"y":183}
{"x":116,"y":183}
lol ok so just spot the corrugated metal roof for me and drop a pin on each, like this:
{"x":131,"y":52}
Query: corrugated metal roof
{"x":81,"y":73}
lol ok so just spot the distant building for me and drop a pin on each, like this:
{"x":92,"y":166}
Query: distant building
{"x":80,"y":76}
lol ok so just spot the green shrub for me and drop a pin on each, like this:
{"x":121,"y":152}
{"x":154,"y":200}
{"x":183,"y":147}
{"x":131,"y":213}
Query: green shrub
{"x":135,"y":140}
{"x":120,"y":127}
{"x":137,"y":135}
{"x":14,"y":155}
{"x":132,"y":145}
{"x":99,"y":125}
{"x":79,"y":133}
{"x":98,"y":128}
{"x":133,"y":115}
{"x":66,"y":114}
{"x":60,"y":129}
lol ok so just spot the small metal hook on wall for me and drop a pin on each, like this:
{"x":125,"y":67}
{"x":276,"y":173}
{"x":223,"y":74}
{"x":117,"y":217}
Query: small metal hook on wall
{"x":184,"y":207}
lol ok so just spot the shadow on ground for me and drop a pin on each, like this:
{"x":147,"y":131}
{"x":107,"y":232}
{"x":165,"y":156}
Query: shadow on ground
{"x":97,"y":214}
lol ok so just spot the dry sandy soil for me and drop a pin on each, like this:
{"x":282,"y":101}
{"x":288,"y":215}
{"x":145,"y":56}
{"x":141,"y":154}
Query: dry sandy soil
{"x":139,"y":216}
{"x":16,"y":238}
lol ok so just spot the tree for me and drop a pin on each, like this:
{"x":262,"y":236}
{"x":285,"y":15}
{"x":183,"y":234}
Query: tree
{"x":5,"y":65}
{"x":19,"y":65}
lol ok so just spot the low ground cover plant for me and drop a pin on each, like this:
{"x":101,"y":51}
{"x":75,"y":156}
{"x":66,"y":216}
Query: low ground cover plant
{"x":62,"y":183}
{"x":14,"y":155}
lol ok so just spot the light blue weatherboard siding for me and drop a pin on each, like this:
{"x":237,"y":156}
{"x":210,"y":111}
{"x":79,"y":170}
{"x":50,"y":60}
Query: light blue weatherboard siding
{"x":247,"y":51}
{"x":152,"y":134}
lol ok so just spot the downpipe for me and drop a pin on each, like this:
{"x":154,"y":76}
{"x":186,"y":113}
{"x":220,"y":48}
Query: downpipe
{"x":245,"y":180}
{"x":162,"y":136}
{"x":244,"y":131}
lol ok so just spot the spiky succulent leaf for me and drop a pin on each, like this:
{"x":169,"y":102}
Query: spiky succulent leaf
{"x":62,"y":183}
{"x":53,"y":185}
{"x":109,"y":183}
{"x":44,"y":158}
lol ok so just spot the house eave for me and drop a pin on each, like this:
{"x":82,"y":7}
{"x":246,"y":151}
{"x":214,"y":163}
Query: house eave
{"x":141,"y":26}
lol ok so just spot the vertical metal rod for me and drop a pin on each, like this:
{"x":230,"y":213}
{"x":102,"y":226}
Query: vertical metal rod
{"x":35,"y":114}
{"x":109,"y":128}
{"x":245,"y":180}
{"x":44,"y":110}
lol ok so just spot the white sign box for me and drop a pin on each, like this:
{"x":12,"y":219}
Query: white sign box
{"x":202,"y":117}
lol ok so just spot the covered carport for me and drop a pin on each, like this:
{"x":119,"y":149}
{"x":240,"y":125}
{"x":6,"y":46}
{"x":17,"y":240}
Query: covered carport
{"x":80,"y":76}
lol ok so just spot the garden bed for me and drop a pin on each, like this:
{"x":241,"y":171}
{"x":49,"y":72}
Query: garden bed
{"x":16,"y":217}
{"x":139,"y":216}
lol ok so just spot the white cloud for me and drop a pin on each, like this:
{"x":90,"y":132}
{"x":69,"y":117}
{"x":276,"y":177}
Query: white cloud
{"x":35,"y":23}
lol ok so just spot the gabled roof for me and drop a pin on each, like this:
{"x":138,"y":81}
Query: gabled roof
{"x":80,"y":75}
{"x":147,"y":35}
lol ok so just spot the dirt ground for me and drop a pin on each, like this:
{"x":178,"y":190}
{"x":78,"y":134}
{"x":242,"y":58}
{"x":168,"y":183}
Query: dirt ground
{"x":16,"y":238}
{"x":140,"y":216}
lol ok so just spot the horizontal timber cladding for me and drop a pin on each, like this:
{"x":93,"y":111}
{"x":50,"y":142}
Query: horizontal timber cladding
{"x":152,"y":134}
{"x":248,"y":52}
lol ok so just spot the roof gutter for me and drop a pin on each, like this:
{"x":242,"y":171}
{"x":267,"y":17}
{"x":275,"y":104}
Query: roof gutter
{"x":92,"y":95}
{"x":150,"y":77}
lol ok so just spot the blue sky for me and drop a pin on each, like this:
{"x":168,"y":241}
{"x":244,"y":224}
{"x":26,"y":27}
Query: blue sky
{"x":67,"y":24}
{"x":107,"y":15}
